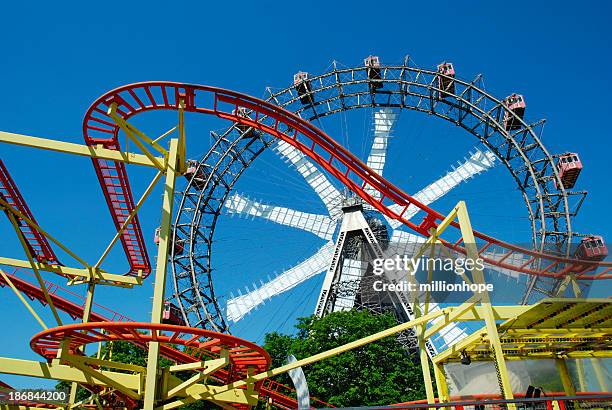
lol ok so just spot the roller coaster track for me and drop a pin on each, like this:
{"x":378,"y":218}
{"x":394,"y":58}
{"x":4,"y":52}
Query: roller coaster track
{"x":99,"y":129}
{"x":37,"y":242}
{"x":277,"y":392}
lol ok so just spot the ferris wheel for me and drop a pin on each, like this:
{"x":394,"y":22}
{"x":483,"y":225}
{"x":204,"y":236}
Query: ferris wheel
{"x":505,"y":139}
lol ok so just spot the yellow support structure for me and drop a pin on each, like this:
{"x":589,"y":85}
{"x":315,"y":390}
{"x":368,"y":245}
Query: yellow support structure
{"x":78,"y":149}
{"x":41,"y":283}
{"x":566,"y":380}
{"x":469,"y":242}
{"x":78,"y":274}
{"x":441,"y":384}
{"x":151,"y":385}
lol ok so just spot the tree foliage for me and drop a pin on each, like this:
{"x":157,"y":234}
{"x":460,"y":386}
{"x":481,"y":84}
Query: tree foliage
{"x":375,"y":374}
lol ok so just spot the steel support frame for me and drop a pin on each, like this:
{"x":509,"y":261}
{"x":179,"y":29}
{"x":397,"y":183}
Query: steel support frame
{"x":76,"y":275}
{"x":151,"y":383}
{"x":77,"y":149}
{"x":419,"y":84}
{"x":175,"y":164}
{"x":460,"y":213}
{"x":77,"y":369}
{"x":468,"y":311}
{"x":172,"y":164}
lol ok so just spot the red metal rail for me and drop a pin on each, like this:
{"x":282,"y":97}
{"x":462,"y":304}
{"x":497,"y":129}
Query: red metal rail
{"x":242,"y":354}
{"x":37,"y":242}
{"x":98,"y":128}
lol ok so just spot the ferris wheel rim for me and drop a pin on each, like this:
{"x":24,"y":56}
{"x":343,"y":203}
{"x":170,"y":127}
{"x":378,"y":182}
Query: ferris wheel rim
{"x":307,"y":130}
{"x":525,"y":128}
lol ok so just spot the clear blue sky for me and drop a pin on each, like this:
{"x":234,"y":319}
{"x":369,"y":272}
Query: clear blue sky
{"x":58,"y":58}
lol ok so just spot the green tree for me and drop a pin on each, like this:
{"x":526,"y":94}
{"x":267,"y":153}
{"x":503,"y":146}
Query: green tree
{"x":375,"y":374}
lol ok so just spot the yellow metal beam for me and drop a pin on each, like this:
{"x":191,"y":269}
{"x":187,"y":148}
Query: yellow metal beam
{"x":91,"y":287}
{"x":165,"y":134}
{"x":86,"y":274}
{"x":77,"y":149}
{"x":476,"y":313}
{"x":198,"y":377}
{"x":182,"y":148}
{"x":92,"y":361}
{"x":471,"y":249}
{"x":16,"y":213}
{"x":420,"y":330}
{"x":566,"y":380}
{"x":441,"y":384}
{"x":62,"y":372}
{"x":215,"y":394}
{"x":582,"y":385}
{"x":151,"y":385}
{"x":93,"y":374}
{"x":207,"y":367}
{"x":133,"y":134}
{"x":453,"y":316}
{"x":129,"y":128}
{"x":340,"y":349}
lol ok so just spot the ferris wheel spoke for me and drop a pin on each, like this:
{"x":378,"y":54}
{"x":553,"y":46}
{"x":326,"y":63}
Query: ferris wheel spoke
{"x":320,"y":225}
{"x":475,"y":164}
{"x":384,"y":120}
{"x":329,"y":194}
{"x":238,"y":307}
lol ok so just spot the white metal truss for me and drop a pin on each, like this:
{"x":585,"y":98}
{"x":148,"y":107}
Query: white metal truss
{"x":353,"y":220}
{"x":351,"y":273}
{"x":320,"y":225}
{"x":384,"y":119}
{"x":325,"y":226}
{"x":238,"y":307}
{"x":476,"y":163}
{"x":330,"y":196}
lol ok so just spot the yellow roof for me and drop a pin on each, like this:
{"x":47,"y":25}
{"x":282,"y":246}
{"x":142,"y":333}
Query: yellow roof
{"x":575,"y":328}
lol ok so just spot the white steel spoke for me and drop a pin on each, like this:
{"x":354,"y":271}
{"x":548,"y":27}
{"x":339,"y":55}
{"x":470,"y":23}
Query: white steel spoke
{"x":240,"y":306}
{"x":320,"y":225}
{"x":384,"y":119}
{"x":330,"y":196}
{"x":477,"y":162}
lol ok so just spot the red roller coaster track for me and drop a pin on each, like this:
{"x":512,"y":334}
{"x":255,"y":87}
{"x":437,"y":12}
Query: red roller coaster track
{"x":204,"y":343}
{"x":37,"y":242}
{"x":99,"y":128}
